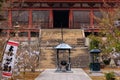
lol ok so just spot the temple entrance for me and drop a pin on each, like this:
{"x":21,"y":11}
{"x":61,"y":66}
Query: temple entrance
{"x":61,"y":18}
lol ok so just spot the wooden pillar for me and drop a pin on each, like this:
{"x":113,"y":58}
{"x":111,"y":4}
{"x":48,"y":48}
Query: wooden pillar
{"x":57,"y":60}
{"x":51,"y":19}
{"x":91,"y":19}
{"x":29,"y":24}
{"x":9,"y":22}
{"x":71,"y":19}
{"x":10,"y":18}
{"x":69,"y":68}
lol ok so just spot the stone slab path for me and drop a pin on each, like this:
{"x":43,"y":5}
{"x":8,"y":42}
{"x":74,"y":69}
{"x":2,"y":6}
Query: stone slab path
{"x":50,"y":74}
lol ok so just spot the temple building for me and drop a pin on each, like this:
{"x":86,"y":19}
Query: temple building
{"x":32,"y":15}
{"x":41,"y":25}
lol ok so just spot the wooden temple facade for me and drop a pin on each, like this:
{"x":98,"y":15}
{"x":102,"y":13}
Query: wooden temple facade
{"x":51,"y":14}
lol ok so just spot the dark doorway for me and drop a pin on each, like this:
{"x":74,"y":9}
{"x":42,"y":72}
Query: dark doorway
{"x":61,"y":18}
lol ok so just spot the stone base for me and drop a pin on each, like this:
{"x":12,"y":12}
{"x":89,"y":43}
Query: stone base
{"x":63,"y":71}
{"x":95,"y":71}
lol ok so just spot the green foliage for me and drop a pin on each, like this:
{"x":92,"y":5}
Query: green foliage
{"x":109,"y":30}
{"x":117,"y":46}
{"x":94,"y":43}
{"x":109,"y":75}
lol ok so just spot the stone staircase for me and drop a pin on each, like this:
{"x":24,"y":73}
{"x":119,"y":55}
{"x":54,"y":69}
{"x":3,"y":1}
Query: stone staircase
{"x":73,"y":37}
{"x":80,"y":42}
{"x":52,"y":37}
{"x":46,"y":59}
{"x":79,"y":58}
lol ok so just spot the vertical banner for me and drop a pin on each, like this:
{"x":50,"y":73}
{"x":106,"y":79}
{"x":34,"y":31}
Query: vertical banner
{"x":9,"y":58}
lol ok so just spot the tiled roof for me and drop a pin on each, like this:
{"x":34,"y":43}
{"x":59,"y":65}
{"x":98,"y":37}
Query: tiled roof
{"x":63,"y":46}
{"x":95,"y":51}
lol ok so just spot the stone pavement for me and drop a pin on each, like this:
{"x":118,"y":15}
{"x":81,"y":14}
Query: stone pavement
{"x":50,"y":74}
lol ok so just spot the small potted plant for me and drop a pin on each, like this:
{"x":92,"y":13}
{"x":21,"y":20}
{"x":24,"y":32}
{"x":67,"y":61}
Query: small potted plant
{"x":110,"y":76}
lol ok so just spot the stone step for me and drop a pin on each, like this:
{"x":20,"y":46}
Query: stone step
{"x":79,"y":58}
{"x":52,"y":37}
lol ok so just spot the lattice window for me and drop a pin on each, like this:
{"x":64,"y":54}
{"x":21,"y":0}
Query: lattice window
{"x":97,"y":14}
{"x":4,"y":19}
{"x":40,"y":18}
{"x":81,"y":18}
{"x":20,"y":16}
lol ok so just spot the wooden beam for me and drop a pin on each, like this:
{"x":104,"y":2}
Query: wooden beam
{"x":51,"y":19}
{"x":91,"y":19}
{"x":69,"y":0}
{"x":70,"y":19}
{"x":30,"y":24}
{"x":30,"y":18}
{"x":10,"y":18}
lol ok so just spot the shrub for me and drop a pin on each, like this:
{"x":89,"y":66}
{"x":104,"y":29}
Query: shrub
{"x":110,"y":76}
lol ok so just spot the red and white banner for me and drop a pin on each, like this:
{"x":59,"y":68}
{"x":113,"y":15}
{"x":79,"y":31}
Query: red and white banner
{"x":9,"y":58}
